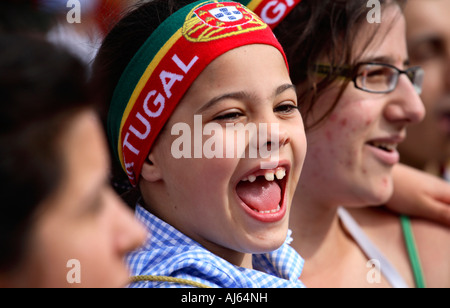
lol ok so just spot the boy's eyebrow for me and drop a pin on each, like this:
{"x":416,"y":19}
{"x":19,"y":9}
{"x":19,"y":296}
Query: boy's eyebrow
{"x":243,"y":95}
{"x":285,"y":87}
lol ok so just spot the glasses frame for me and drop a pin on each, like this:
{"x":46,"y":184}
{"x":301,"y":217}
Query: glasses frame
{"x":351,"y":72}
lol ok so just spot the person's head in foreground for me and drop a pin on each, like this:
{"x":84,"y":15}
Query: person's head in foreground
{"x":427,"y":146}
{"x":195,"y":85}
{"x":61,"y":224}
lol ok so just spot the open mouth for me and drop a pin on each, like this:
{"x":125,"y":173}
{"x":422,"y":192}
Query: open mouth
{"x":384,"y":146}
{"x":262,"y":193}
{"x":385,"y":150}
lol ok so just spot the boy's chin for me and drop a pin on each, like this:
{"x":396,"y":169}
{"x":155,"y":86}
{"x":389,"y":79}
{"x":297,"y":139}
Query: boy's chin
{"x":265,"y":243}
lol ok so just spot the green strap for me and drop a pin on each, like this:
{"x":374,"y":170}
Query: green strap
{"x":412,"y":252}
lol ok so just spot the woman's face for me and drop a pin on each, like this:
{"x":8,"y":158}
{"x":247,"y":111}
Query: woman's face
{"x":82,"y":231}
{"x":353,"y":151}
{"x":428,"y":36}
{"x":220,"y":197}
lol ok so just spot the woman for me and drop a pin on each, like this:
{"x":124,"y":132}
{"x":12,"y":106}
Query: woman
{"x":358,"y":96}
{"x":61,"y":224}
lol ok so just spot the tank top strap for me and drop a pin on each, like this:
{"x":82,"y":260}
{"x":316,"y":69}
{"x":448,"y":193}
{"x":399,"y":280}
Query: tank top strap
{"x":371,"y":250}
{"x":412,"y":251}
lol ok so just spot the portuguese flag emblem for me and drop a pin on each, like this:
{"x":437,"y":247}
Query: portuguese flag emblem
{"x":214,"y":21}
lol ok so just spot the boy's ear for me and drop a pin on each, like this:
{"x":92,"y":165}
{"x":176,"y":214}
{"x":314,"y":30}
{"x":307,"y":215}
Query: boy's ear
{"x":150,"y":170}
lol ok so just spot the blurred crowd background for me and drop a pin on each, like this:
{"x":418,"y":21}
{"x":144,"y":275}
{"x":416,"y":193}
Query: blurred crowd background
{"x":80,"y":25}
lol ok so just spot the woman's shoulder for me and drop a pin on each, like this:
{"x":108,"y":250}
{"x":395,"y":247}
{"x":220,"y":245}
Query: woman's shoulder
{"x":433,"y":244}
{"x":378,"y":221}
{"x":432,"y":241}
{"x":384,"y":229}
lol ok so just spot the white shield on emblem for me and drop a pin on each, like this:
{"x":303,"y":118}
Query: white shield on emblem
{"x":227,"y":13}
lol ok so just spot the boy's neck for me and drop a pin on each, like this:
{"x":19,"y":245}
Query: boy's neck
{"x":240,"y":259}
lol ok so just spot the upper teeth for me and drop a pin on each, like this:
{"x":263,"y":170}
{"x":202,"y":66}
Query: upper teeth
{"x":388,"y":146}
{"x":269,"y":175}
{"x":281,"y":173}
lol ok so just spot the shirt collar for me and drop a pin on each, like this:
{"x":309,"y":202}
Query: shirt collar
{"x":283,"y":263}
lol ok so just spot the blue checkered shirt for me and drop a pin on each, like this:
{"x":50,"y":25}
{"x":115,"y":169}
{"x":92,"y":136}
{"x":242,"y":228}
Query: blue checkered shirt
{"x":169,"y":252}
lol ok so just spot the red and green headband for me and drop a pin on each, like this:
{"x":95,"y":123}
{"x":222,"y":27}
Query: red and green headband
{"x":272,"y":12}
{"x":167,"y":64}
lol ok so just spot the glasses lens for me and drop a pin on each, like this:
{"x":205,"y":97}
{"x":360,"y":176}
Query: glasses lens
{"x":416,"y":78}
{"x":376,"y":78}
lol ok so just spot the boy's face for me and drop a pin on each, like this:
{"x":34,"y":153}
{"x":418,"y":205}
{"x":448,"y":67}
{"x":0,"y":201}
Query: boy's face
{"x":216,"y":199}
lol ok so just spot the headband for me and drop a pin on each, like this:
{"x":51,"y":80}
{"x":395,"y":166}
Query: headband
{"x":163,"y":69}
{"x":272,"y":12}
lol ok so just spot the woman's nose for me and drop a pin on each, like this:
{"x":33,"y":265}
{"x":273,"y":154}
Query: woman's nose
{"x":406,"y":105}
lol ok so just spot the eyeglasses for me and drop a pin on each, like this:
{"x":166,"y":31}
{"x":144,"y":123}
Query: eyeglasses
{"x":375,"y":77}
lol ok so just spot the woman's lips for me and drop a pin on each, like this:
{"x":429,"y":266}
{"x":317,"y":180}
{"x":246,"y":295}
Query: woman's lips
{"x":385,"y":150}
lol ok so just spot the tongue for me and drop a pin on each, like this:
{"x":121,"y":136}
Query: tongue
{"x":260,"y":195}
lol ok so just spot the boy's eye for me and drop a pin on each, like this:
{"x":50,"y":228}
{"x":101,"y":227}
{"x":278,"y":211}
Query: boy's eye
{"x":228,"y":116}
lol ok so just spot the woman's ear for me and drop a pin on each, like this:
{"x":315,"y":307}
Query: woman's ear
{"x":150,"y":170}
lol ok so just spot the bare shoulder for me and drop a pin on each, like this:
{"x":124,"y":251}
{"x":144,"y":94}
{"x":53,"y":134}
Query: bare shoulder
{"x":432,"y":240}
{"x":430,"y":232}
{"x":376,"y":221}
{"x":433,"y":244}
{"x":384,"y":229}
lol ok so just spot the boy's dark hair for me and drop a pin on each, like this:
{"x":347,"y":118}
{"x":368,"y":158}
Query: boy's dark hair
{"x":324,"y":29}
{"x":41,"y":89}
